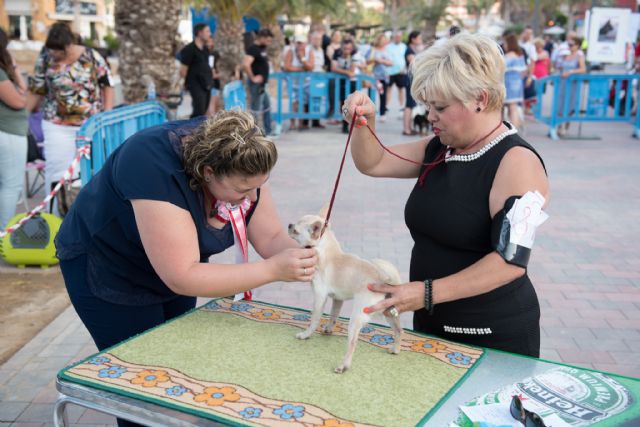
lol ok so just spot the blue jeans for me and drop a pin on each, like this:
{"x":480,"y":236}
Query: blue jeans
{"x":110,"y":323}
{"x":13,"y":158}
{"x":260,"y":103}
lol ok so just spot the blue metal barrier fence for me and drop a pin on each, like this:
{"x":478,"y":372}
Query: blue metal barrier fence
{"x":319,"y":92}
{"x":106,"y":131}
{"x":587,"y":98}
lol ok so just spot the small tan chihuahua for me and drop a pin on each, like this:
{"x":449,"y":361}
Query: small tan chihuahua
{"x":343,"y":276}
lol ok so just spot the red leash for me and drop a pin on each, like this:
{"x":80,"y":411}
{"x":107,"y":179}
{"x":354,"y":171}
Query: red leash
{"x":442,"y":156}
{"x":335,"y":186}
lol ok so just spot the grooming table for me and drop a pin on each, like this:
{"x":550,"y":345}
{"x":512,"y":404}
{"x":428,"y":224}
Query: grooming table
{"x":239,"y":363}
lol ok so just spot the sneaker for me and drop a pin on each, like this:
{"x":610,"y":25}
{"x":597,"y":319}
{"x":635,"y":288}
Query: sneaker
{"x":382,"y":119}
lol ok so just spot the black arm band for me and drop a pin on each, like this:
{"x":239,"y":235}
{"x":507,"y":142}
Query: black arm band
{"x":500,"y":233}
{"x":428,"y":296}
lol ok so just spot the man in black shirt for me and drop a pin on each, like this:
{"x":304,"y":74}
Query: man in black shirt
{"x":196,"y":70}
{"x":256,"y":65}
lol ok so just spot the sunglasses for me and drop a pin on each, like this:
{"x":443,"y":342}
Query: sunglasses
{"x":528,"y":418}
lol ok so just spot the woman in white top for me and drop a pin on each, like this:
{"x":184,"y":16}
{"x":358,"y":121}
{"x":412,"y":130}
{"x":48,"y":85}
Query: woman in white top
{"x":381,"y":60}
{"x":315,"y":45}
{"x":298,"y":59}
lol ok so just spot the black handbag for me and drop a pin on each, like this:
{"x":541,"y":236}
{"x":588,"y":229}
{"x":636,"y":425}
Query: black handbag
{"x":33,"y":151}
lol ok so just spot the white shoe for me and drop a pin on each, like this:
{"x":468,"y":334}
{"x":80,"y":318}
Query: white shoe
{"x":382,"y":119}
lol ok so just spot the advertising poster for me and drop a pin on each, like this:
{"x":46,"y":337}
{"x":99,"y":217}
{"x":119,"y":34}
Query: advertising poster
{"x":608,"y":34}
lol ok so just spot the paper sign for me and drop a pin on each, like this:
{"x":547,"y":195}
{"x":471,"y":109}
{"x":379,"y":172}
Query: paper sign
{"x":490,"y":415}
{"x":525,"y":216}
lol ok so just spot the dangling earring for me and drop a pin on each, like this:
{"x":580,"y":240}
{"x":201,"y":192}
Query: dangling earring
{"x":478,"y":109}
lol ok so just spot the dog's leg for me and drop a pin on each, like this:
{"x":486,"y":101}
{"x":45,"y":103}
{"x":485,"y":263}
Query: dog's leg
{"x":358,"y":319}
{"x":318,"y":304}
{"x":394,"y":322}
{"x":335,"y":311}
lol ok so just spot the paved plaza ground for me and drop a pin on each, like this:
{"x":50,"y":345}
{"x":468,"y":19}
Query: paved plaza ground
{"x":585,"y":265}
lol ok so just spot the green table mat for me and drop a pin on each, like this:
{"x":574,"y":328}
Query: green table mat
{"x":240,"y":363}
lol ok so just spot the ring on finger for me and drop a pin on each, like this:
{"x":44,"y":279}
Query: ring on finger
{"x":345,"y":111}
{"x":305,"y":271}
{"x":393,"y":311}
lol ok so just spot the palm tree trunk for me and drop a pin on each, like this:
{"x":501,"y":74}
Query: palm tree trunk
{"x":276,"y":48}
{"x":147,"y":30}
{"x":230,"y":46}
{"x":505,"y":11}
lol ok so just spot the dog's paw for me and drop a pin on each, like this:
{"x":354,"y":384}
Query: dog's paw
{"x":326,"y":330}
{"x":340,"y":369}
{"x":393,"y":350}
{"x":302,"y":335}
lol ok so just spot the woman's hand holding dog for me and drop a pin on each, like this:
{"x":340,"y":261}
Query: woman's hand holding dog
{"x":294,"y":265}
{"x":407,"y":297}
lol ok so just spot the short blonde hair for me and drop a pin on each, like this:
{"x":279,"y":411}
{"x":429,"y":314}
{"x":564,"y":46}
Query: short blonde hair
{"x":460,"y":69}
{"x":538,"y":42}
{"x":230,"y":143}
{"x":378,"y":40}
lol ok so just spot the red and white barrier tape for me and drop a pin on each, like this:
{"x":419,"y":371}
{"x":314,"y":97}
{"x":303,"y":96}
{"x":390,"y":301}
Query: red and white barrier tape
{"x":85,"y":151}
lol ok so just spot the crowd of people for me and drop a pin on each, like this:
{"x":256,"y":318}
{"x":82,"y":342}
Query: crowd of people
{"x":386,"y":58}
{"x":528,"y":58}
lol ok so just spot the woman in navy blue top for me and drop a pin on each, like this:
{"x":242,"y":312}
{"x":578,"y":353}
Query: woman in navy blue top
{"x":134,"y":247}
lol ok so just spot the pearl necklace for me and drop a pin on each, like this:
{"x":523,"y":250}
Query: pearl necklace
{"x":473,"y":156}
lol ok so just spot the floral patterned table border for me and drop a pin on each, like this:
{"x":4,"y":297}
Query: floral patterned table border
{"x":235,"y":403}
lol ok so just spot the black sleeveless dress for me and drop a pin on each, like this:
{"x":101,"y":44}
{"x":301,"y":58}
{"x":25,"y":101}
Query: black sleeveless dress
{"x":450,"y":223}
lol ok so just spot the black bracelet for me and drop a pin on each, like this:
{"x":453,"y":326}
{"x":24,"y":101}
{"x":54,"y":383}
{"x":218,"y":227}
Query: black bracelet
{"x":428,"y":296}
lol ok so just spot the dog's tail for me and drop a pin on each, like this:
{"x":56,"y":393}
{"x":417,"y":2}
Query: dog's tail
{"x":389,"y":271}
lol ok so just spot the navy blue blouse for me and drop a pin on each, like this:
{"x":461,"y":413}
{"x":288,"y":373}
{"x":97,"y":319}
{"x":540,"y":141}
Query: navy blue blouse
{"x":101,"y":222}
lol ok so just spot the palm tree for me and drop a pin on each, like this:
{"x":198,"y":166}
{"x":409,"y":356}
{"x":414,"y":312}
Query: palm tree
{"x":229,"y":34}
{"x":319,"y":10}
{"x":397,"y":13}
{"x":478,"y":8}
{"x":267,"y":11}
{"x":147,"y":30}
{"x":410,"y":14}
{"x":430,"y":12}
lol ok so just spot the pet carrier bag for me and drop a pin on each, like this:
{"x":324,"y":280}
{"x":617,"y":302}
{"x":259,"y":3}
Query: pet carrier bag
{"x":32,"y":243}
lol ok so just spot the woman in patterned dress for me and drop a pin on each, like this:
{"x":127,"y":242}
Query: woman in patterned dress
{"x":70,"y":84}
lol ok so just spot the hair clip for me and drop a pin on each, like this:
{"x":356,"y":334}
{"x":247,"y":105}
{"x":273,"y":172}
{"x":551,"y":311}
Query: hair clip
{"x":237,"y":137}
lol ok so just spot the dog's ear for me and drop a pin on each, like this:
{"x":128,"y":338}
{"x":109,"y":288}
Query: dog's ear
{"x":316,"y":229}
{"x":324,"y":211}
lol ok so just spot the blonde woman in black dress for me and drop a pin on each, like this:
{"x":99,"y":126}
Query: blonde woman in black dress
{"x":465,"y":285}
